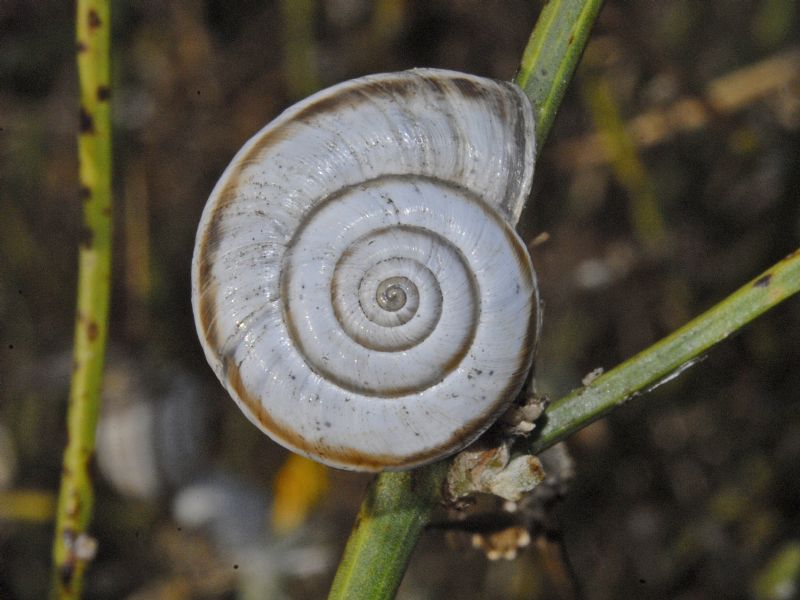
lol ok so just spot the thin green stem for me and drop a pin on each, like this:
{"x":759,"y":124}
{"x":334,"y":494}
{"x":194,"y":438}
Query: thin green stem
{"x":396,"y":509}
{"x":72,"y":547}
{"x":551,"y":56}
{"x":671,"y":356}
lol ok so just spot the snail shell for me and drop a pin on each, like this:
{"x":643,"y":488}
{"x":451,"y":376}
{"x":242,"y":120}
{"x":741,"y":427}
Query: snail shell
{"x":357,"y":283}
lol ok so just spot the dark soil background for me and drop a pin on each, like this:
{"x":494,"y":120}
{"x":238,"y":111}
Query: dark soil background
{"x":691,"y":491}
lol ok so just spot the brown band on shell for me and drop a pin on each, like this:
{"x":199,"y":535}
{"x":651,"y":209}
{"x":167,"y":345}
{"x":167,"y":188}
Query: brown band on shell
{"x":469,"y":87}
{"x":355,"y":96}
{"x":207,"y":289}
{"x":349,"y":457}
{"x":352,"y":97}
{"x":207,"y":308}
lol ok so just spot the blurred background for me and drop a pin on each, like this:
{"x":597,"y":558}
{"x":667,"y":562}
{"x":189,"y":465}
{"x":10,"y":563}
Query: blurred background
{"x":672,"y":177}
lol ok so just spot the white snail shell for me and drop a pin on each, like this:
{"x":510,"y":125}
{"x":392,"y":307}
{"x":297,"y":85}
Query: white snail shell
{"x":357,"y":283}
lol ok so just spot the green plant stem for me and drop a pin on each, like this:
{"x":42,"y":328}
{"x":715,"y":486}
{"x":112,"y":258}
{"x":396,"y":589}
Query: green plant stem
{"x":671,"y":356}
{"x":394,"y":513}
{"x":72,"y":547}
{"x":396,"y":509}
{"x":551,"y":56}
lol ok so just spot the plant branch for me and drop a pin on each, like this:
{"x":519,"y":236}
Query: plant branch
{"x":671,"y":356}
{"x":396,"y":508}
{"x":72,"y":547}
{"x":551,"y":56}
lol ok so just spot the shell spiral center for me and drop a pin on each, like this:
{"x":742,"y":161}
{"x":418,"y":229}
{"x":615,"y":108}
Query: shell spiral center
{"x":377,"y":293}
{"x":393,"y":293}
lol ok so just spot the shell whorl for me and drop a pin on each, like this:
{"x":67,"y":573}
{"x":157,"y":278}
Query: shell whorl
{"x":357,"y":283}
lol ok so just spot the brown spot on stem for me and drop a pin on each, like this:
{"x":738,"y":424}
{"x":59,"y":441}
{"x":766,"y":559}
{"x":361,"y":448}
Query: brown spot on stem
{"x":92,"y":330}
{"x":65,"y":573}
{"x":763,"y":281}
{"x":103,"y":93}
{"x":84,"y":193}
{"x":81,"y":47}
{"x":73,"y":509}
{"x":94,"y":19}
{"x":86,"y":122}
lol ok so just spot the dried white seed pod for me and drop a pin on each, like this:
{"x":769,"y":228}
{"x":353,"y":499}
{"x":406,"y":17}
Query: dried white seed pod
{"x":357,"y":283}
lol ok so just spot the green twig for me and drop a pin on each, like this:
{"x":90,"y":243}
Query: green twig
{"x":394,"y":513}
{"x":669,"y":357}
{"x":396,"y":508}
{"x":72,"y":547}
{"x":552,"y":53}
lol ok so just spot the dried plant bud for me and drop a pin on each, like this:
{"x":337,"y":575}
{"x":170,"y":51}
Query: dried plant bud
{"x":505,"y":543}
{"x":492,"y":470}
{"x":519,"y":419}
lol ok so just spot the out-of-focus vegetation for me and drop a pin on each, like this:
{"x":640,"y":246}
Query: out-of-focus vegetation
{"x":670,"y":178}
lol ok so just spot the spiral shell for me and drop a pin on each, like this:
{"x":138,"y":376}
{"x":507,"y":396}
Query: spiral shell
{"x":357,"y":283}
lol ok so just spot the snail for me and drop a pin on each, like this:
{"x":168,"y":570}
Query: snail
{"x":357,"y":283}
